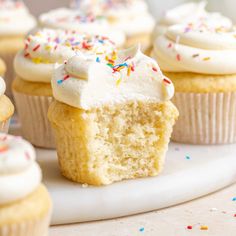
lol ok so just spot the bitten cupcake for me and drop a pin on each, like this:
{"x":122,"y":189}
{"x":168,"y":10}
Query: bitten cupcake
{"x":15,"y":22}
{"x":112,"y":122}
{"x":6,"y":108}
{"x":25,"y":205}
{"x":34,"y":66}
{"x":130,"y":16}
{"x":84,"y":23}
{"x":200,"y":60}
{"x":187,"y":13}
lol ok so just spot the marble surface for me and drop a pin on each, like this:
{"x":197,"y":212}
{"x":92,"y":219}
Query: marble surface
{"x":190,"y":172}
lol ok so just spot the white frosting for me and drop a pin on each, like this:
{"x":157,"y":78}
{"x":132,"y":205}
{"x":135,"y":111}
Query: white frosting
{"x":72,"y":19}
{"x":133,"y":76}
{"x":123,"y":14}
{"x":197,"y":48}
{"x":47,"y":47}
{"x":2,"y":87}
{"x":188,"y":13}
{"x":15,"y":18}
{"x":19,"y":173}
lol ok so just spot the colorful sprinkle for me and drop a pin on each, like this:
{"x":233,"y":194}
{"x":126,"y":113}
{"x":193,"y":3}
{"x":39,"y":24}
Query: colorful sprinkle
{"x":166,"y":81}
{"x":141,"y":229}
{"x":206,"y":58}
{"x":98,"y":59}
{"x":178,"y":57}
{"x":154,"y":69}
{"x":189,"y":227}
{"x":188,"y":157}
{"x":234,"y":199}
{"x":36,"y":47}
{"x":204,"y":227}
{"x":195,"y":55}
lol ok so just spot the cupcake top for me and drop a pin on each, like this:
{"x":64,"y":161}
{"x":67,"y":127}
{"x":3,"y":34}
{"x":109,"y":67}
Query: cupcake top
{"x":20,"y":175}
{"x":2,"y":86}
{"x":84,"y":82}
{"x":190,"y":13}
{"x":122,"y":14}
{"x":198,"y":48}
{"x":15,"y":18}
{"x":85,"y":23}
{"x":47,"y":47}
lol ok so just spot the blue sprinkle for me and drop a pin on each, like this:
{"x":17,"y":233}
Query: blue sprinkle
{"x":141,"y":229}
{"x":60,"y":81}
{"x":97,"y":59}
{"x":187,"y":158}
{"x":100,"y":41}
{"x":234,"y":199}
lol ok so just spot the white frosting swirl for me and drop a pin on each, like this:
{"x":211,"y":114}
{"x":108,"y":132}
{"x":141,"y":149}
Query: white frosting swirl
{"x":132,"y":76}
{"x":15,"y":18}
{"x":72,"y":19}
{"x":123,"y":14}
{"x":2,"y":86}
{"x":197,"y":48}
{"x":189,"y":13}
{"x":47,"y":47}
{"x":19,"y":173}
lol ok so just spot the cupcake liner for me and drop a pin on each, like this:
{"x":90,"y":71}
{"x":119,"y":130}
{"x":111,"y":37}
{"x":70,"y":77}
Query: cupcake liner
{"x":205,"y":118}
{"x":29,"y":228}
{"x":32,"y":111}
{"x":4,"y":127}
{"x":9,"y":75}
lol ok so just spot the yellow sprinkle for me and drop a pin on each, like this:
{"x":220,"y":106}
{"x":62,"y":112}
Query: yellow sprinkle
{"x":204,"y":227}
{"x":48,"y":48}
{"x":67,"y":44}
{"x":206,"y":59}
{"x":114,"y":55}
{"x":120,"y":68}
{"x":118,"y":82}
{"x":129,"y":71}
{"x":37,"y":60}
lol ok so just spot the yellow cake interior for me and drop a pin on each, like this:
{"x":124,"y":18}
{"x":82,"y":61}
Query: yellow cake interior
{"x":114,"y":142}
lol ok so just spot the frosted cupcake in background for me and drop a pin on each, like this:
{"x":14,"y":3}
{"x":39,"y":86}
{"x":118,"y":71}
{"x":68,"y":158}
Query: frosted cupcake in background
{"x":111,"y":121}
{"x":84,"y":23}
{"x":200,"y":60}
{"x":130,"y":16}
{"x":188,"y":13}
{"x":6,"y":108}
{"x":15,"y":22}
{"x":34,"y":65}
{"x":25,"y":204}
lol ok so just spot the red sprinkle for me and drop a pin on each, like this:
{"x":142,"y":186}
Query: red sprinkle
{"x":234,"y":215}
{"x":66,"y":77}
{"x":169,"y":45}
{"x":189,"y":227}
{"x":55,"y":48}
{"x":154,"y":69}
{"x":36,"y":47}
{"x":26,"y":55}
{"x":166,"y":81}
{"x":178,"y":57}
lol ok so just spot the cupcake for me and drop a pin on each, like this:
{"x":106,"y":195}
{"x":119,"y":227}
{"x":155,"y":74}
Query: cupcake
{"x":6,"y":108}
{"x":199,"y":59}
{"x":111,"y":122}
{"x":15,"y":22}
{"x":34,"y":65}
{"x":187,"y":13}
{"x":84,"y":23}
{"x":2,"y":67}
{"x":25,"y":205}
{"x":130,"y":16}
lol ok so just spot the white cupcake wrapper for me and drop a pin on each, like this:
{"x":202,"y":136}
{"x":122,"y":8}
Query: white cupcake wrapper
{"x":4,"y":127}
{"x":9,"y":75}
{"x":29,"y":228}
{"x":32,"y":111}
{"x":205,"y":118}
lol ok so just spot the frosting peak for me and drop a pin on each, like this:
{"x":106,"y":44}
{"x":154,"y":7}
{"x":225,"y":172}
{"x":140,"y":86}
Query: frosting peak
{"x":19,"y":173}
{"x":2,"y":86}
{"x":86,"y":83}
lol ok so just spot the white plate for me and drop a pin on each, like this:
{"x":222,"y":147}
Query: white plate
{"x":190,"y":172}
